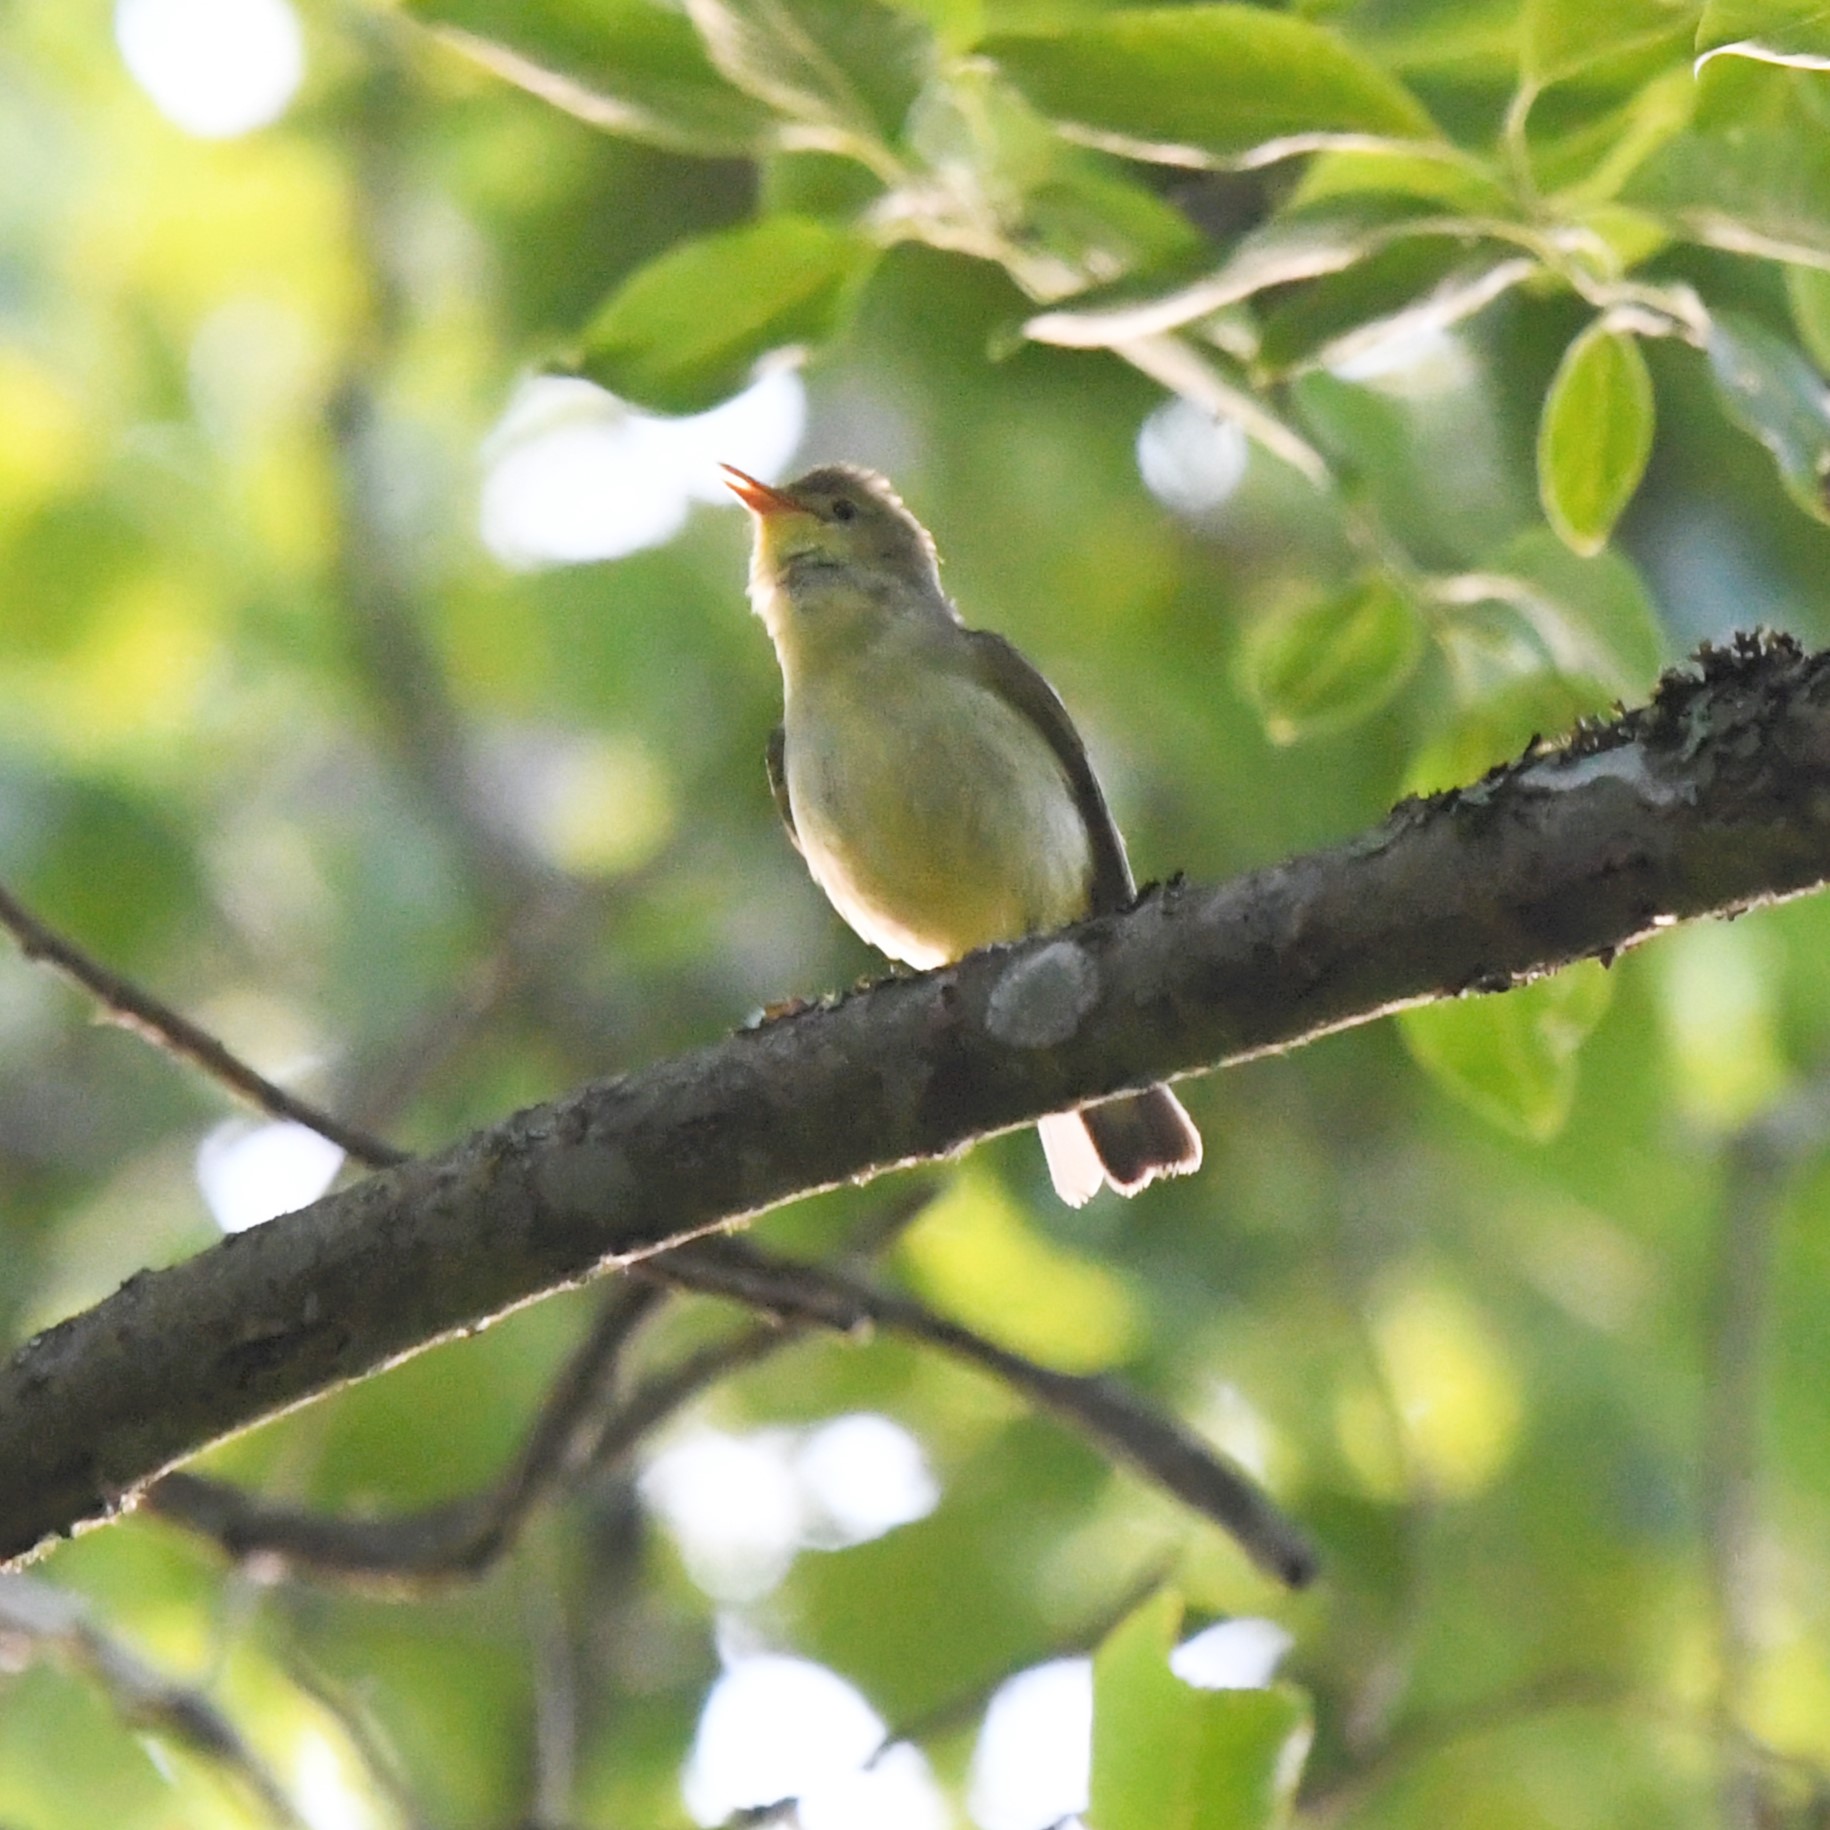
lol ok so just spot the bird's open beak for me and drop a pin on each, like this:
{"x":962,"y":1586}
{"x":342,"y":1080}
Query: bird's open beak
{"x":759,"y":498}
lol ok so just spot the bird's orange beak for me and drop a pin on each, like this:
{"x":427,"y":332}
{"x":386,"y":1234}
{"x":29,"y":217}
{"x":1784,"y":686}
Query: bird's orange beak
{"x":759,"y":498}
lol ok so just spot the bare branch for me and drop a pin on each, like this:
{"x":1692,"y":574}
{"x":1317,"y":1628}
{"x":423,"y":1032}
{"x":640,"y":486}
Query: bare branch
{"x":1118,"y":1423}
{"x":456,"y":1539}
{"x":576,"y":1428}
{"x":1713,"y":799}
{"x":132,"y":1008}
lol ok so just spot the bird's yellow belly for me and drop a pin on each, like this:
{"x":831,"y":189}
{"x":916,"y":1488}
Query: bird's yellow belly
{"x":936,"y":827}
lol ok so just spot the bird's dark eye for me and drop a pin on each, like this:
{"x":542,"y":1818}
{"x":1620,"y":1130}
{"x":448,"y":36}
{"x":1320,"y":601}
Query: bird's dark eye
{"x":843,"y":510}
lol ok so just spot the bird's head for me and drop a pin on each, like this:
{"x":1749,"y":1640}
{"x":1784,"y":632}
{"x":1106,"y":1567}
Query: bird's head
{"x":836,"y":528}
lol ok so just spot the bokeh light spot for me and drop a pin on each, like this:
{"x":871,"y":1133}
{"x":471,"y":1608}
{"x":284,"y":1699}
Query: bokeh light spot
{"x":774,"y":1728}
{"x":215,"y":68}
{"x":574,"y":474}
{"x":1189,"y":460}
{"x":1241,"y":1654}
{"x":862,"y":1475}
{"x":252,"y":1172}
{"x":1033,"y":1763}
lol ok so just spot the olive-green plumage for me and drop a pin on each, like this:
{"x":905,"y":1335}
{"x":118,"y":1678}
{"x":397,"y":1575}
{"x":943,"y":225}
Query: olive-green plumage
{"x":932,"y":779}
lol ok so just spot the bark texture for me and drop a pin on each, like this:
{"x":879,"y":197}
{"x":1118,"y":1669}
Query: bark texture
{"x":1713,"y":798}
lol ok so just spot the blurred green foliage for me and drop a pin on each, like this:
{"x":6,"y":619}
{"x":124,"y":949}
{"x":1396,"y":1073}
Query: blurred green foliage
{"x":1521,"y":314}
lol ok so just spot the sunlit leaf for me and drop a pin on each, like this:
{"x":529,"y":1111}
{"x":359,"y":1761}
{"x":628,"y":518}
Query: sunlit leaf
{"x":1447,"y":176}
{"x":1250,"y":1748}
{"x":1770,"y":390}
{"x":1563,"y":36}
{"x":1808,"y":294}
{"x":850,"y":67}
{"x":1143,"y":1722}
{"x":1167,"y":1756}
{"x":1320,"y":667}
{"x":633,"y":69}
{"x":1587,"y":616}
{"x":1512,"y":1057}
{"x":1322,"y":240}
{"x":1793,"y":32}
{"x":1595,"y":436}
{"x":1753,"y":175}
{"x":1405,"y":291}
{"x":1208,"y":84}
{"x":685,"y":332}
{"x":1631,"y":237}
{"x":978,"y":1257}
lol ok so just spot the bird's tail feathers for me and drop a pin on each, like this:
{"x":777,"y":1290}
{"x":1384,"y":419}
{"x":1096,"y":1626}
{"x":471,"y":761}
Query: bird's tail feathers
{"x":1128,"y":1141}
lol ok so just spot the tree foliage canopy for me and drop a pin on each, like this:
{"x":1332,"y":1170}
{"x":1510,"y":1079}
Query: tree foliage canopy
{"x":1331,"y":399}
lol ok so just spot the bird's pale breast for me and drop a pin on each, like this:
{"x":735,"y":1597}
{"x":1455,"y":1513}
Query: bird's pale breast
{"x":936,"y":820}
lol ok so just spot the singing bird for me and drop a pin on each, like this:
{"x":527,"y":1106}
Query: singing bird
{"x":931,"y":778}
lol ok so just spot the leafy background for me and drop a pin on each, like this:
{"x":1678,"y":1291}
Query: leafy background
{"x":1329,"y":398}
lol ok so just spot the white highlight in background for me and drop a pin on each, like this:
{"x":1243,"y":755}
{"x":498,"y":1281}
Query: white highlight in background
{"x":775,"y":1727}
{"x":574,"y":474}
{"x":1033,"y":1763}
{"x":1241,"y":1654}
{"x":327,"y":1795}
{"x":252,"y":1172}
{"x":741,"y":1508}
{"x":895,"y":1792}
{"x":1190,"y":460}
{"x":862,"y":1475}
{"x":215,"y":68}
{"x":733,"y":1507}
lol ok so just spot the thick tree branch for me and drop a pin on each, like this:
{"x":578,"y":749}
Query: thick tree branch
{"x":1712,"y":799}
{"x":577,"y":1427}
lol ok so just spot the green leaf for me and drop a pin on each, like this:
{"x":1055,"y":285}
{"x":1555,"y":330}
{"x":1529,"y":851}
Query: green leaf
{"x":1249,"y":1753}
{"x":849,"y":70}
{"x":1512,"y":1058}
{"x":1301,"y":246}
{"x":1595,"y":436}
{"x":1588,"y":617}
{"x":1400,"y":293}
{"x":1754,"y":175}
{"x":632,"y":69}
{"x":1594,"y":162}
{"x":1321,"y":667}
{"x":686,"y":331}
{"x":1167,"y":1756}
{"x":1201,"y":85}
{"x":1792,"y":32}
{"x":1143,"y":1722}
{"x":1444,"y":175}
{"x":1770,"y":390}
{"x":1808,"y":295}
{"x":1564,"y":36}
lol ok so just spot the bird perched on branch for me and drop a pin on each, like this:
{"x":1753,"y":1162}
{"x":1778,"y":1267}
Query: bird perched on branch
{"x":931,"y":778}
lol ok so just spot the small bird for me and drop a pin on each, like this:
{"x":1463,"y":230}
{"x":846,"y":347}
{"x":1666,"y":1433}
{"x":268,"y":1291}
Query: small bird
{"x":931,"y":778}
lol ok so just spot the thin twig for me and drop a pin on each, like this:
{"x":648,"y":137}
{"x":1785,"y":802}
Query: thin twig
{"x":454,"y":1540}
{"x":132,"y":1008}
{"x":554,"y":1777}
{"x":1712,"y":799}
{"x":380,"y":1761}
{"x":576,"y":1430}
{"x":39,"y":1619}
{"x":1119,"y":1424}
